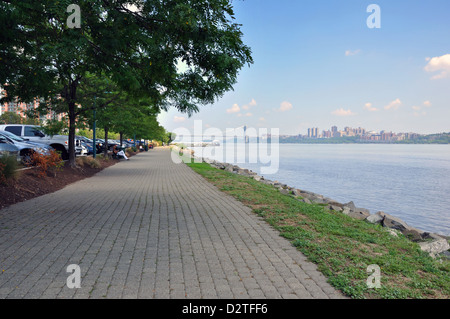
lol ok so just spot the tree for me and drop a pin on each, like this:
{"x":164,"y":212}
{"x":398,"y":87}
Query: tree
{"x":10,"y":118}
{"x":137,"y":43}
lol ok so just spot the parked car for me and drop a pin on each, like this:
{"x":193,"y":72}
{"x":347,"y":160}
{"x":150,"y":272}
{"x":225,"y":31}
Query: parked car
{"x":26,"y":148}
{"x":8,"y":148}
{"x":34,"y":133}
{"x":111,"y":144}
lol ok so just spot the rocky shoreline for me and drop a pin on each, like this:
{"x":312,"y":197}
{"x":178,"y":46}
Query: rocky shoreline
{"x":434,"y":244}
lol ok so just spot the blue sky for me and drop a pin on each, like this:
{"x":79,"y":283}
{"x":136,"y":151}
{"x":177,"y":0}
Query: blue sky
{"x":318,"y":64}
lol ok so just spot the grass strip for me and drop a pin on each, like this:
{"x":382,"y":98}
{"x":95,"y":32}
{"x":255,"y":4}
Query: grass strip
{"x":341,"y":246}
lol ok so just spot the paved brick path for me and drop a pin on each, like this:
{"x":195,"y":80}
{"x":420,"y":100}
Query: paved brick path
{"x":148,"y":228}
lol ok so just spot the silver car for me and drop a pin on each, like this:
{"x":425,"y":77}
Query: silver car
{"x":9,"y":149}
{"x":26,"y":148}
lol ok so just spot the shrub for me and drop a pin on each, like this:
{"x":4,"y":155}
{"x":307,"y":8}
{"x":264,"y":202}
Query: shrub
{"x":80,"y":161}
{"x":102,"y":157}
{"x":8,"y":168}
{"x":46,"y":163}
{"x":92,"y":162}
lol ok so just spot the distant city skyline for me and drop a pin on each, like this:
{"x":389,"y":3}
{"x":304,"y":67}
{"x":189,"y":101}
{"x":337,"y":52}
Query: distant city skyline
{"x":317,"y":64}
{"x":369,"y":135}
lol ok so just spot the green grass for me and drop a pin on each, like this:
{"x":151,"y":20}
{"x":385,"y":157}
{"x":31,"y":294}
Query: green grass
{"x":341,"y":246}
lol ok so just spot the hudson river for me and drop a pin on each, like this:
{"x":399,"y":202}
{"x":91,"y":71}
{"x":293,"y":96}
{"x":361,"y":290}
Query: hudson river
{"x":411,"y":182}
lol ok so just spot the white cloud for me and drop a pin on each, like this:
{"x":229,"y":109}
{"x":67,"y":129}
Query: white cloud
{"x":439,"y":64}
{"x":342,"y":112}
{"x":416,"y":108}
{"x":234,"y":109}
{"x":351,"y":53}
{"x":249,"y":105}
{"x":370,"y":107}
{"x":179,"y":119}
{"x":393,"y":105}
{"x":427,"y":104}
{"x":262,"y":119}
{"x":285,"y":106}
{"x":248,"y":114}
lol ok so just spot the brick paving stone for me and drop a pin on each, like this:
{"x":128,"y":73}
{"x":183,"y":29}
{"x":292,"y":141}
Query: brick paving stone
{"x":148,"y":228}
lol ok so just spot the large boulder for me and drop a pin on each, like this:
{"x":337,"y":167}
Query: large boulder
{"x":358,"y":213}
{"x":228,"y":168}
{"x":257,"y":177}
{"x":375,"y":218}
{"x":435,"y":246}
{"x":351,"y":210}
{"x":392,"y":222}
{"x":334,"y":208}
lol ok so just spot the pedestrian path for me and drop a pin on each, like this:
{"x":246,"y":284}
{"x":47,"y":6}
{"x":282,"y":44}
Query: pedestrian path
{"x":148,"y":228}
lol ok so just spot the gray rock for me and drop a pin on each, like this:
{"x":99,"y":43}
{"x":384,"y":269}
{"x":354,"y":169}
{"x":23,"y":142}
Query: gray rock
{"x":335,"y":208}
{"x":296,"y":192}
{"x":393,"y":232}
{"x":334,"y":203}
{"x":318,"y":199}
{"x":375,"y":219}
{"x":435,"y":247}
{"x":412,"y":233}
{"x":393,"y":222}
{"x":257,"y":178}
{"x":284,"y":191}
{"x":350,"y":205}
{"x":306,"y":200}
{"x":359,"y":214}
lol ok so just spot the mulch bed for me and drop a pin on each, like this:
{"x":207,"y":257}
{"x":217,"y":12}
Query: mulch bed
{"x":29,"y":185}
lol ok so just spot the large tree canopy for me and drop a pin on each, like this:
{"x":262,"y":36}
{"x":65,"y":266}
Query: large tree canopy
{"x":138,"y":44}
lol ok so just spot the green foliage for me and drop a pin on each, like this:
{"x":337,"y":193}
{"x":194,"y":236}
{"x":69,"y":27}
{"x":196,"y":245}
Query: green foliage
{"x":442,"y":138}
{"x":54,"y":127}
{"x":138,"y":51}
{"x":8,"y":168}
{"x":10,"y":118}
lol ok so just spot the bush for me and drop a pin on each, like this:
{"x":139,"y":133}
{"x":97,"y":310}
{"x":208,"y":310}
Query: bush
{"x":87,"y":160}
{"x":8,"y":168}
{"x":92,"y":162}
{"x":46,"y":163}
{"x":102,"y":157}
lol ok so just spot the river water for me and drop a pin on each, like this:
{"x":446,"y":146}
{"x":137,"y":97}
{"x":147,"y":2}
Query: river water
{"x":411,"y":182}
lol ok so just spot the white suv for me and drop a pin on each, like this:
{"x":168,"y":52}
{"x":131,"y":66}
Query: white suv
{"x":33,"y":133}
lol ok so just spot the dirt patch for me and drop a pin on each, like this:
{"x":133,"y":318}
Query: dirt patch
{"x":29,"y":185}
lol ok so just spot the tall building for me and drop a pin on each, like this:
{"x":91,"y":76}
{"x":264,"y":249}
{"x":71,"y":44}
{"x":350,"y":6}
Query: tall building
{"x":334,"y":131}
{"x":313,"y":132}
{"x":21,"y":108}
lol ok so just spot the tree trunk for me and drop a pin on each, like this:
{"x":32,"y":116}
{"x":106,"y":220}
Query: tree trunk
{"x":105,"y":151}
{"x":72,"y":162}
{"x":121,"y":138}
{"x":72,"y":118}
